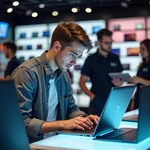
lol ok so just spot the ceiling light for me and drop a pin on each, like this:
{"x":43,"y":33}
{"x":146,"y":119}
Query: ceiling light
{"x":124,"y":4}
{"x":34,"y":14}
{"x":28,"y":12}
{"x":55,"y":13}
{"x":74,"y":10}
{"x":88,"y":10}
{"x":128,"y":0}
{"x":9,"y":10}
{"x":15,"y":3}
{"x":41,"y":5}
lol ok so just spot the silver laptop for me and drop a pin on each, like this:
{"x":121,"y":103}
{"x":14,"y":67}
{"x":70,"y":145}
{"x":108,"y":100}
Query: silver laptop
{"x":142,"y":132}
{"x":112,"y":114}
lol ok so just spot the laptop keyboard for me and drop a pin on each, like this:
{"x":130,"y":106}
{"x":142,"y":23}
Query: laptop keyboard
{"x":121,"y":134}
{"x":129,"y":136}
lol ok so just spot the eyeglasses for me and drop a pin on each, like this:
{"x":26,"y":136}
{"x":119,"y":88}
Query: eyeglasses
{"x":74,"y":55}
{"x":107,"y":43}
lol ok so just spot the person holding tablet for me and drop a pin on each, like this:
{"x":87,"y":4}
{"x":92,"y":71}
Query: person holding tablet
{"x":97,"y":67}
{"x":143,"y":74}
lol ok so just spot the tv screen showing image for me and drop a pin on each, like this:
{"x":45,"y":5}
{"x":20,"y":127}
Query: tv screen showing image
{"x":22,"y":35}
{"x":139,"y":26}
{"x":126,"y":66}
{"x":39,"y":46}
{"x":21,"y":59}
{"x":46,"y":34}
{"x":20,"y":47}
{"x":3,"y":29}
{"x":116,"y":27}
{"x":133,"y":51}
{"x":130,"y":37}
{"x":95,"y":29}
{"x":1,"y":47}
{"x":29,"y":47}
{"x":35,"y":34}
{"x":116,"y":51}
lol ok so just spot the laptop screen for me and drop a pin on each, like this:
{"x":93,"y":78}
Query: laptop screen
{"x":12,"y":131}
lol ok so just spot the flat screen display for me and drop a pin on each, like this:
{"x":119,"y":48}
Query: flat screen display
{"x":95,"y":29}
{"x":22,"y":35}
{"x":130,"y":37}
{"x":3,"y":29}
{"x":116,"y":51}
{"x":46,"y":34}
{"x":1,"y":47}
{"x":133,"y":51}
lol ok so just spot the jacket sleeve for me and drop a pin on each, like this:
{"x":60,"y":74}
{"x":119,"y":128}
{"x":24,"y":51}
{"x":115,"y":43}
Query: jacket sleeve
{"x":25,"y":83}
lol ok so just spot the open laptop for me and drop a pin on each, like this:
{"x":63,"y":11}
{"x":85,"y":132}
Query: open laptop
{"x":131,"y":118}
{"x":12,"y":131}
{"x":131,"y":135}
{"x":112,"y":114}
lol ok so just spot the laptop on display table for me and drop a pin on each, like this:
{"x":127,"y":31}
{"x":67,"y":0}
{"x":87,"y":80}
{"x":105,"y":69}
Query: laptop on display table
{"x":112,"y":114}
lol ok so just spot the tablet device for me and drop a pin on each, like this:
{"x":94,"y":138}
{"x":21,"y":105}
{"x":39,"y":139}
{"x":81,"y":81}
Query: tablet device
{"x":122,"y":76}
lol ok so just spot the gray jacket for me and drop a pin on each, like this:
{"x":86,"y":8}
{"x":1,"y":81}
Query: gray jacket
{"x":32,"y":84}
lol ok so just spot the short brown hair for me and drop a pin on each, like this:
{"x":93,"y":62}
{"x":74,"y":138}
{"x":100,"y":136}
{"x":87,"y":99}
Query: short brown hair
{"x":103,"y":32}
{"x":66,"y":33}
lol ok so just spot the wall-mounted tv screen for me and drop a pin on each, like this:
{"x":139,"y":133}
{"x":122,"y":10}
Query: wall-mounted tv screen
{"x":133,"y":51}
{"x":116,"y":27}
{"x":130,"y":37}
{"x":22,"y":35}
{"x":139,"y":26}
{"x":95,"y":29}
{"x":116,"y":51}
{"x":35,"y":34}
{"x":3,"y":29}
{"x":1,"y":47}
{"x":126,"y":66}
{"x":46,"y":34}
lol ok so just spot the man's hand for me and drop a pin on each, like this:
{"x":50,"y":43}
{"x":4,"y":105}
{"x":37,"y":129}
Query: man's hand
{"x":80,"y":123}
{"x":93,"y":118}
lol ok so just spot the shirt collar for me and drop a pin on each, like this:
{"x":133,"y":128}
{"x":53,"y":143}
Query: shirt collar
{"x":53,"y":65}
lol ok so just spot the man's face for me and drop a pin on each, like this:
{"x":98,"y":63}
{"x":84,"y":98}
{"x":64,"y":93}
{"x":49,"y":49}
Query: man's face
{"x":106,"y":43}
{"x":67,"y":56}
{"x":6,"y":52}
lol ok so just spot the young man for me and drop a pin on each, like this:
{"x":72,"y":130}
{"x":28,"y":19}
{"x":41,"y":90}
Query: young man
{"x":96,"y":67}
{"x":44,"y":89}
{"x":10,"y":53}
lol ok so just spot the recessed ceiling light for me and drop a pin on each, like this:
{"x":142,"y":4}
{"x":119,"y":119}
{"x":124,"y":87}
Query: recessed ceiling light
{"x":15,"y":3}
{"x":74,"y":10}
{"x":88,"y":10}
{"x":55,"y":13}
{"x":41,"y":5}
{"x":9,"y":10}
{"x":34,"y":14}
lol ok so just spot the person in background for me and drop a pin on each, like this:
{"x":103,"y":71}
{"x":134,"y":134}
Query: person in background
{"x":10,"y":53}
{"x":143,"y":74}
{"x":44,"y":88}
{"x":96,"y":67}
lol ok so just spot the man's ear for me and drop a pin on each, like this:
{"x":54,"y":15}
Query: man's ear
{"x":57,"y":46}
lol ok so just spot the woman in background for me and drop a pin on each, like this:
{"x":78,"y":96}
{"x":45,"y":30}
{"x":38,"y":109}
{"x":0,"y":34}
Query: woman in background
{"x":143,"y":75}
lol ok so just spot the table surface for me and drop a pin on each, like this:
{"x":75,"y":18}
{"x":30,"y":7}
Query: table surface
{"x":65,"y":142}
